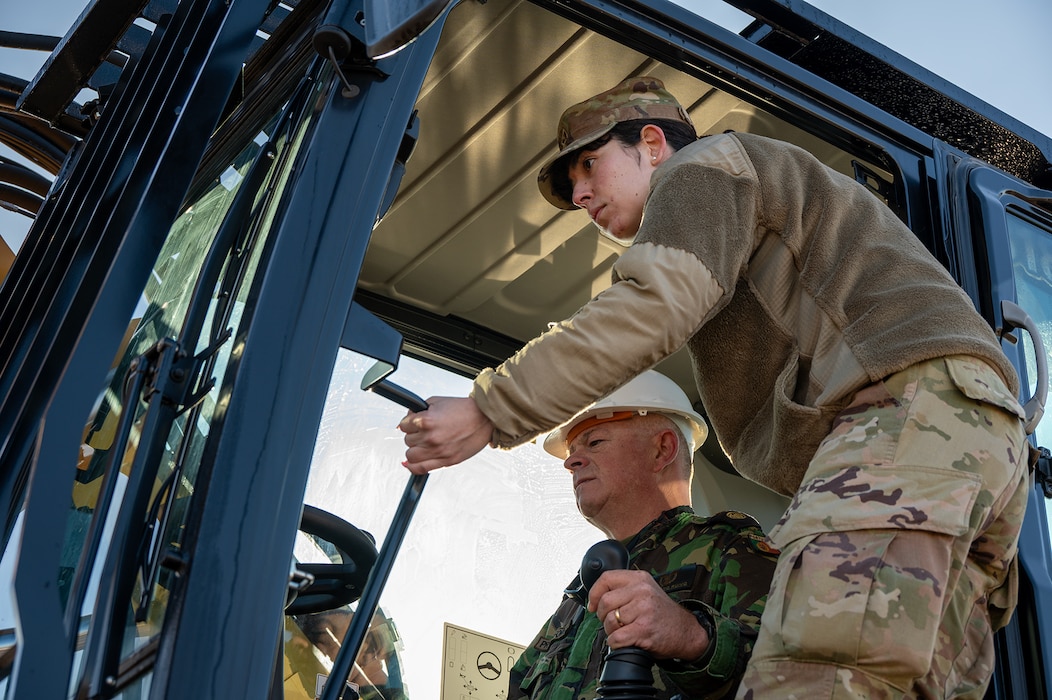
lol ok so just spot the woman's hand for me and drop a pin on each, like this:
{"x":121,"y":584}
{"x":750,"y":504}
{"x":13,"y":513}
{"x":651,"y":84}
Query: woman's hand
{"x":447,"y":433}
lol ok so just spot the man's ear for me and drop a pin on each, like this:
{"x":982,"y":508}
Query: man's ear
{"x":653,"y":138}
{"x":667,"y":449}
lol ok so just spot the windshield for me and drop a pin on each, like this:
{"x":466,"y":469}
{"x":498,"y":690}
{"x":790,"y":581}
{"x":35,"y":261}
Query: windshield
{"x":491,"y":547}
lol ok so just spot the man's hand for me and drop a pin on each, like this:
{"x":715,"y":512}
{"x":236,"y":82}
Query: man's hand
{"x":447,"y":433}
{"x":636,"y":613}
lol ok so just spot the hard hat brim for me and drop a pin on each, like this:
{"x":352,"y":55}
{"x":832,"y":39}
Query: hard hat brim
{"x":555,"y":442}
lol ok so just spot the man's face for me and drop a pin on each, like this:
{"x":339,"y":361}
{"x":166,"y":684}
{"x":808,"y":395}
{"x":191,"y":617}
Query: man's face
{"x":611,"y":183}
{"x":610,"y":467}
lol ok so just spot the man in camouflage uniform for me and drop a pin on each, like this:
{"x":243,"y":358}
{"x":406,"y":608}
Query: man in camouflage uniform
{"x":695,"y":588}
{"x":839,"y":363}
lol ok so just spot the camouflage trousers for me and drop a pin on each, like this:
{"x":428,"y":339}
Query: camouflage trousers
{"x":899,"y":549}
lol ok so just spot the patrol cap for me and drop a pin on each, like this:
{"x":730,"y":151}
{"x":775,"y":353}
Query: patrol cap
{"x":643,"y":97}
{"x":649,"y":392}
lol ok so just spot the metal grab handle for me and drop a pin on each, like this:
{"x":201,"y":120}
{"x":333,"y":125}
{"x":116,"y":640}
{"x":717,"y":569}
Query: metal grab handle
{"x":1015,"y":317}
{"x":374,"y":585}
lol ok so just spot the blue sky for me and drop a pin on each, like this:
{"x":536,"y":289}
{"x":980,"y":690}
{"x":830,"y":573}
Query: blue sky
{"x":999,"y":51}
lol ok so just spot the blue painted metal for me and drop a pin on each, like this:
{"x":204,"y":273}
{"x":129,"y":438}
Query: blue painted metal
{"x":76,"y":288}
{"x":260,"y":461}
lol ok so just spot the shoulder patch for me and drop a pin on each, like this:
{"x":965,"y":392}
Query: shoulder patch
{"x":735,"y":518}
{"x":764,"y":546}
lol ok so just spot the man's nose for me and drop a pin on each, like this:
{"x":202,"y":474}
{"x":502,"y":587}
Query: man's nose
{"x":576,"y":460}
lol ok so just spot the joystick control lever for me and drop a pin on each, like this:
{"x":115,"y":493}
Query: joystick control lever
{"x":627,"y":672}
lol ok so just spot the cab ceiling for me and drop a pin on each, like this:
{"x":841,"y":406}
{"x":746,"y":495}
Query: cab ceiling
{"x":469,"y":236}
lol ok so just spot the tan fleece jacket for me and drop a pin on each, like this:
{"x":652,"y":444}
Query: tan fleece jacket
{"x":792,"y":287}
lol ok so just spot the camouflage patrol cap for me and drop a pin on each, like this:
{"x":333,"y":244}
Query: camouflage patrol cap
{"x":643,"y":97}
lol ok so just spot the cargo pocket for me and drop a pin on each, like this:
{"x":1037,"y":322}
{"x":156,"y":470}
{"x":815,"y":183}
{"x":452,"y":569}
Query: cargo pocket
{"x":866,"y":561}
{"x":875,"y":498}
{"x":979,"y":382}
{"x":544,"y":668}
{"x":553,"y":649}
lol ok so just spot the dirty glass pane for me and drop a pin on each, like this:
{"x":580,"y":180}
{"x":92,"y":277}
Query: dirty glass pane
{"x":493,"y":542}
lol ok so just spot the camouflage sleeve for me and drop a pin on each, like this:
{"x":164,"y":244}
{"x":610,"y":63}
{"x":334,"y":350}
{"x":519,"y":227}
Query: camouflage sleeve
{"x":732,"y":590}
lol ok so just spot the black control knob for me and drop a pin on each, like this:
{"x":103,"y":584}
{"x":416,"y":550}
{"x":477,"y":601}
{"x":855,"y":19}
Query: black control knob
{"x":602,"y":556}
{"x":627,"y":672}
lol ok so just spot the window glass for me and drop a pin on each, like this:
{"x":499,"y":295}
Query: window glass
{"x":1031,"y":245}
{"x":493,"y":542}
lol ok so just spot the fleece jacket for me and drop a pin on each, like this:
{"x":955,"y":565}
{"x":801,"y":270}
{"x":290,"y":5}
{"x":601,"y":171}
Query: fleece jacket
{"x":792,"y":287}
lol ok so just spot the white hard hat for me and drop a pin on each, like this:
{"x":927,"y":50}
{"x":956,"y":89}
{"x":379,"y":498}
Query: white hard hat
{"x":650,"y":392}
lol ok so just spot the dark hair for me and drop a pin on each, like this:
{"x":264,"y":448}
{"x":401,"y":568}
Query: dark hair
{"x":628,"y":133}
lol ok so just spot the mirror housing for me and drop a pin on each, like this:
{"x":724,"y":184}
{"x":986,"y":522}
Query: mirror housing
{"x":366,"y":334}
{"x":391,"y":25}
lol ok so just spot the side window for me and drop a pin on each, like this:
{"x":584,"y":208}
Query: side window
{"x":1030,"y":242}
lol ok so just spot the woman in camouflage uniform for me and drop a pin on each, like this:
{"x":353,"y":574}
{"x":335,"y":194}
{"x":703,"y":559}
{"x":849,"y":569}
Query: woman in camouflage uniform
{"x":839,"y":364}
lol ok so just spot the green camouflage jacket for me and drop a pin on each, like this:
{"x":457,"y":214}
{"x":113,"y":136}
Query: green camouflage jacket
{"x":721,"y":564}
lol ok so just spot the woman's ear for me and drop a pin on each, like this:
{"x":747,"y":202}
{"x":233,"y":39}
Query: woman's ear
{"x":652,"y":138}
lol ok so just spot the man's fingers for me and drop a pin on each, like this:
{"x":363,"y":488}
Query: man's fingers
{"x":614,"y":580}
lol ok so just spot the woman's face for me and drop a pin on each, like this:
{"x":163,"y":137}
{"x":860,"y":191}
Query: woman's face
{"x":611,"y":183}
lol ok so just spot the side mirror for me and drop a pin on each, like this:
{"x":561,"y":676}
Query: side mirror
{"x":366,"y":334}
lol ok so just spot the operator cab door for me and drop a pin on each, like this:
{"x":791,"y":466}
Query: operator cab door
{"x":999,"y":241}
{"x":179,"y":593}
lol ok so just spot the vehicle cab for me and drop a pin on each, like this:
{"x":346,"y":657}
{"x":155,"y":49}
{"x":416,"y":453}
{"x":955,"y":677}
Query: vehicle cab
{"x":270,"y":228}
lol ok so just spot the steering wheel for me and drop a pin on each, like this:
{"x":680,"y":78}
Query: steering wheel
{"x":334,"y":585}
